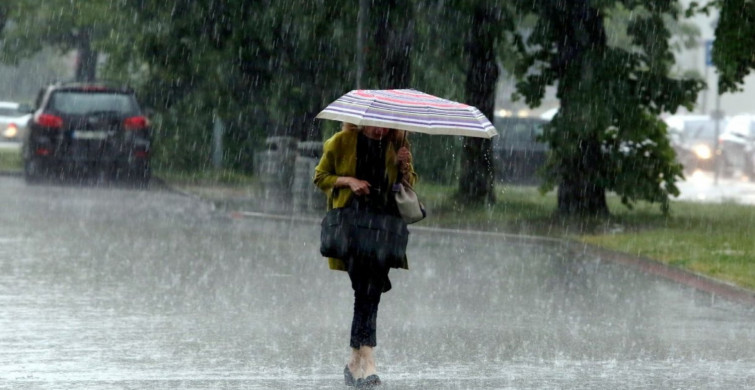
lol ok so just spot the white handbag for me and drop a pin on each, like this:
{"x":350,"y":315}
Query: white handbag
{"x":409,"y":206}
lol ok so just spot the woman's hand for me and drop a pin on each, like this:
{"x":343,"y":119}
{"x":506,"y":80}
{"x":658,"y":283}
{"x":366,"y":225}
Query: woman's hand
{"x":358,"y":187}
{"x":404,"y":157}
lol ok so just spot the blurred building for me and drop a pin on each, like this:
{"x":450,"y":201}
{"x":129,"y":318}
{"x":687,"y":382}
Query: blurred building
{"x":695,"y":60}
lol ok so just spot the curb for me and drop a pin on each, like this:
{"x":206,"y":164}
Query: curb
{"x":714,"y":287}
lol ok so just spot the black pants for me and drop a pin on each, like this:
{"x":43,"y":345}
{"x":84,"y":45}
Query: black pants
{"x":368,"y":282}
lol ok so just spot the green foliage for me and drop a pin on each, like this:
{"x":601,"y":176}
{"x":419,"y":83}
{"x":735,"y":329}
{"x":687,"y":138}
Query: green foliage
{"x":734,"y":44}
{"x":735,"y":40}
{"x":607,"y":135}
{"x":182,"y":137}
{"x":264,"y":68}
{"x":267,"y":67}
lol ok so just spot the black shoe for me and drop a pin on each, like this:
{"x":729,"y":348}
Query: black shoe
{"x":370,"y":382}
{"x":348,"y":378}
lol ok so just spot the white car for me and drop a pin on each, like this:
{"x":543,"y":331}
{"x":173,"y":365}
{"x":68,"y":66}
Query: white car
{"x":737,"y":142}
{"x":694,"y":140}
{"x":13,"y":120}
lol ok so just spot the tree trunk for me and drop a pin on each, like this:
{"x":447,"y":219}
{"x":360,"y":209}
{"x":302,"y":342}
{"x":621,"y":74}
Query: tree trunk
{"x":305,"y":127}
{"x":476,"y":182}
{"x":394,"y":33}
{"x":3,"y":15}
{"x":86,"y":59}
{"x":579,"y":192}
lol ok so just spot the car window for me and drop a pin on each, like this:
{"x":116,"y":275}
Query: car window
{"x":40,"y":97}
{"x":82,"y":103}
{"x":12,"y":112}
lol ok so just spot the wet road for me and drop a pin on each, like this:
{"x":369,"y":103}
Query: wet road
{"x":111,"y":288}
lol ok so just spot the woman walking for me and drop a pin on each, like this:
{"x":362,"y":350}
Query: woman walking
{"x":361,"y":164}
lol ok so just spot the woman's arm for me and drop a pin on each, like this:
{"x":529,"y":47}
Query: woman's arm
{"x":326,"y":178}
{"x":404,"y":158}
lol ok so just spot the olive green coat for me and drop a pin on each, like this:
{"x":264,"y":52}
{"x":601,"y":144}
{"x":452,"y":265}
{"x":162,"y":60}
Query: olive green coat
{"x":339,"y":158}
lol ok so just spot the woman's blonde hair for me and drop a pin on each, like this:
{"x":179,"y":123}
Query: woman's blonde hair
{"x":398,"y":138}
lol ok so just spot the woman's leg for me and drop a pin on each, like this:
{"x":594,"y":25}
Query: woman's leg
{"x":355,"y":365}
{"x":368,"y":361}
{"x":368,"y":285}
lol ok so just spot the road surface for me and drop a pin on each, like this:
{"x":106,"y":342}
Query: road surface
{"x":116,"y":288}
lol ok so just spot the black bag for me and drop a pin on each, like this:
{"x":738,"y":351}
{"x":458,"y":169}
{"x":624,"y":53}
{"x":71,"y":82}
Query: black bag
{"x":335,"y":233}
{"x":359,"y":232}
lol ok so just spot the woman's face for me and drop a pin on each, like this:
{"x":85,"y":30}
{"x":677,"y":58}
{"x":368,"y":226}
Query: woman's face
{"x":375,"y":132}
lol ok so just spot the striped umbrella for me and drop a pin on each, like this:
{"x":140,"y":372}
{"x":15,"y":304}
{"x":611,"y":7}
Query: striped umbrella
{"x":411,"y":110}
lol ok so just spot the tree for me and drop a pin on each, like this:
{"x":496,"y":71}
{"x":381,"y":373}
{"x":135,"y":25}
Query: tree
{"x":477,"y":174}
{"x":735,"y":41}
{"x":607,"y":135}
{"x":266,"y":68}
{"x":62,"y":24}
{"x":468,"y":56}
{"x":392,"y":32}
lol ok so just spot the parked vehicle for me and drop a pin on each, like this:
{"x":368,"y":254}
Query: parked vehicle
{"x":13,"y":120}
{"x":693,"y":137}
{"x":737,"y":144}
{"x":518,"y":153}
{"x":82,"y":129}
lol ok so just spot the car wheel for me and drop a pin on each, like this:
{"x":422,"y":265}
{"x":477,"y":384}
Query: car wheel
{"x":32,"y":171}
{"x":140,"y":175}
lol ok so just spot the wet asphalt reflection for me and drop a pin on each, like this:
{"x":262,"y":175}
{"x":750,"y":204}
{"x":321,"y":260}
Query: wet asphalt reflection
{"x":116,"y":288}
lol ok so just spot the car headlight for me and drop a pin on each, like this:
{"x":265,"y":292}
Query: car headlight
{"x":703,"y":152}
{"x":10,"y":131}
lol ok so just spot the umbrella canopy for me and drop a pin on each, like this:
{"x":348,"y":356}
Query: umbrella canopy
{"x":411,"y":110}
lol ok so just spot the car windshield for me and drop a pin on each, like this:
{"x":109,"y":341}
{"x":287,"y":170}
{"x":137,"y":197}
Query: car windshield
{"x":700,"y":129}
{"x":82,"y":103}
{"x":8,"y":111}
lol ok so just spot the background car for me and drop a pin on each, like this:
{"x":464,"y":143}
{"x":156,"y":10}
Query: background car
{"x":737,"y":144}
{"x":81,"y":129}
{"x":518,"y":153}
{"x":695,"y":141}
{"x":13,"y":120}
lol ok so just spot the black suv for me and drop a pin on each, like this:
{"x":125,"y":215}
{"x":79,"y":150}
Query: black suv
{"x":87,"y":129}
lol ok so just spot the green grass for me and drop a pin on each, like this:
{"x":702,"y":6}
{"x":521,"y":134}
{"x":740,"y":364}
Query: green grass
{"x":711,"y":239}
{"x":10,"y":160}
